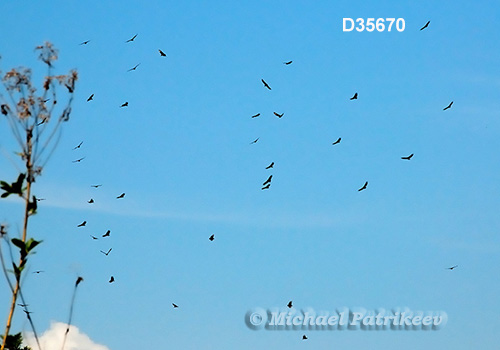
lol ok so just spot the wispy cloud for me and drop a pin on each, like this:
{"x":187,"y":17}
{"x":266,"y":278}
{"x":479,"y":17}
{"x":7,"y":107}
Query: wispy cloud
{"x":483,"y":247}
{"x":53,"y":338}
{"x":135,"y":205}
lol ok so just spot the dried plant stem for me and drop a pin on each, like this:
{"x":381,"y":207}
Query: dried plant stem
{"x":15,"y":292}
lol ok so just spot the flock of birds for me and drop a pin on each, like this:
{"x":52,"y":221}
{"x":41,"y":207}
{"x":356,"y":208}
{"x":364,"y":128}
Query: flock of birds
{"x":265,"y":185}
{"x":79,"y":160}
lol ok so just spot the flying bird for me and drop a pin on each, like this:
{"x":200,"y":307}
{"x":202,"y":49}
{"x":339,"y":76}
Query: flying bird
{"x":448,"y":107}
{"x":40,"y":199}
{"x":85,"y":42}
{"x":95,"y":186}
{"x":304,"y":337}
{"x":39,"y":271}
{"x":266,"y":187}
{"x":134,"y":67}
{"x":124,"y":105}
{"x":82,"y":224}
{"x":337,"y":142}
{"x":162,"y":54}
{"x":112,"y":279}
{"x":175,"y":306}
{"x":364,"y":186}
{"x":91,"y":97}
{"x":107,"y":252}
{"x":90,"y":201}
{"x":5,"y":109}
{"x":268,"y":181}
{"x":211,"y":238}
{"x":270,"y":166}
{"x":121,"y":196}
{"x":426,"y":25}
{"x":94,"y":237}
{"x":287,"y":63}
{"x":78,"y":160}
{"x":290,"y":304}
{"x":27,"y":312}
{"x":79,"y":145}
{"x":279,"y":115}
{"x":265,"y":84}
{"x":407,"y":158}
{"x":107,"y":233}
{"x":451,"y":268}
{"x":355,"y":97}
{"x":256,"y":115}
{"x":131,"y":39}
{"x":255,"y":141}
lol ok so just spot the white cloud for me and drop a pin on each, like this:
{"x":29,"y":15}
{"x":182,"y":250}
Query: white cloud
{"x":53,"y":338}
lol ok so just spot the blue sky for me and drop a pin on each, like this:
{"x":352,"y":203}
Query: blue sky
{"x":181,"y":152}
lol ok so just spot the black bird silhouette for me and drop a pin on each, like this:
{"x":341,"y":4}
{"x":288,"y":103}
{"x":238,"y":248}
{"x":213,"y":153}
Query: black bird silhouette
{"x":107,"y":233}
{"x":211,"y":238}
{"x":407,"y":158}
{"x":338,"y":141}
{"x":265,"y":84}
{"x":4,"y":109}
{"x":304,"y":337}
{"x":40,"y":199}
{"x":255,"y":141}
{"x":448,"y":107}
{"x":107,"y":252}
{"x":162,"y":54}
{"x":78,"y":160}
{"x":134,"y":67}
{"x":85,"y":42}
{"x":82,"y":224}
{"x":175,"y":306}
{"x":256,"y":115}
{"x":23,"y":305}
{"x":287,"y":63}
{"x":279,"y":115}
{"x":94,"y":237}
{"x":90,"y":201}
{"x":112,"y":279}
{"x":95,"y":186}
{"x":91,"y":97}
{"x":425,"y":26}
{"x":79,"y":145}
{"x":364,"y":186}
{"x":27,"y":312}
{"x":290,"y":304}
{"x":121,"y":196}
{"x":451,"y":268}
{"x":131,"y":39}
{"x":268,"y":181}
{"x":39,"y":271}
{"x":266,"y":187}
{"x":270,"y":166}
{"x":355,"y":97}
{"x":124,"y":105}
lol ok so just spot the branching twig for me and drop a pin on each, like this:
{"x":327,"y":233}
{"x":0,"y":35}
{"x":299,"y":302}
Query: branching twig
{"x":79,"y":279}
